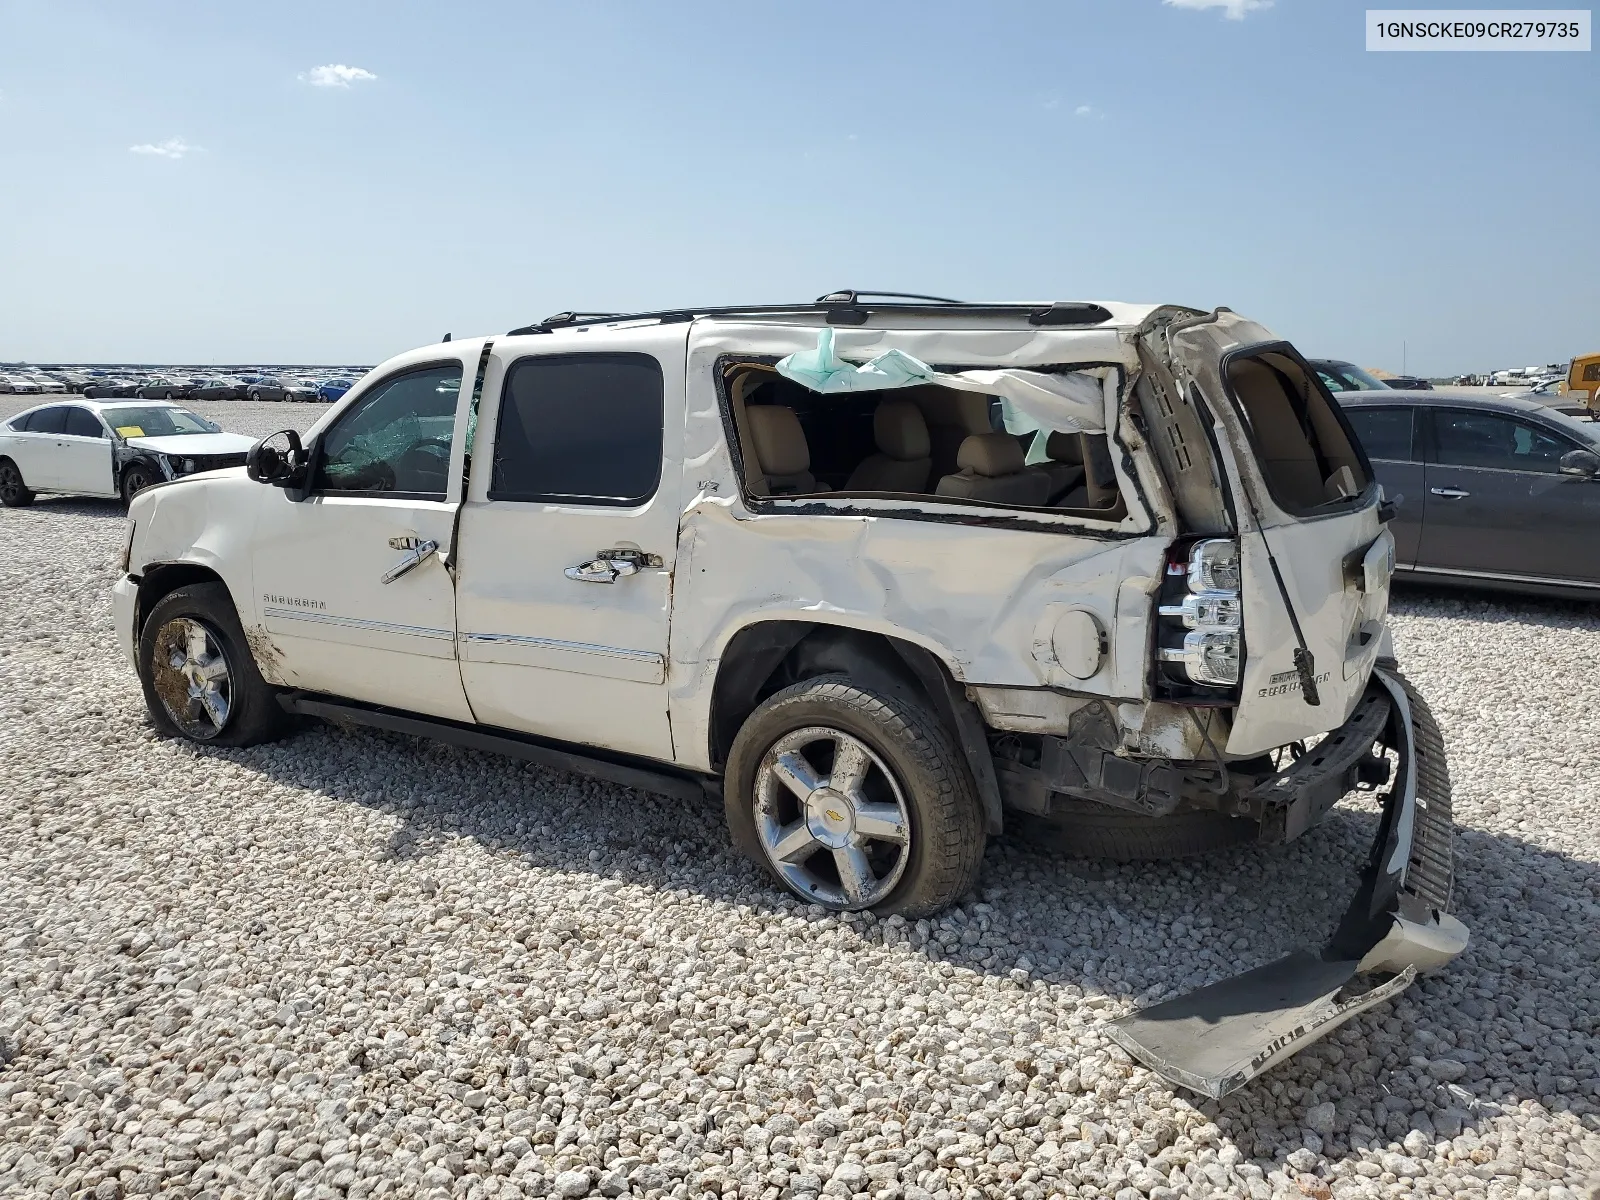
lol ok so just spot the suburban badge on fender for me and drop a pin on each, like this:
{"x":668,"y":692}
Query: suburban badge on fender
{"x":268,"y":598}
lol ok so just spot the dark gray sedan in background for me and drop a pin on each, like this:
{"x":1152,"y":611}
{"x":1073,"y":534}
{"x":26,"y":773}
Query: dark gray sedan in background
{"x":1494,"y":492}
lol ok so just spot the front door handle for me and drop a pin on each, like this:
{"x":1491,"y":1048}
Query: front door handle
{"x":1450,"y":493}
{"x":415,"y":557}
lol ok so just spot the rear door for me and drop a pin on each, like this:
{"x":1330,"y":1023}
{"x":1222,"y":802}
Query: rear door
{"x":569,"y":537}
{"x":1393,"y":445}
{"x":35,"y":449}
{"x":83,"y":455}
{"x":1498,"y":505}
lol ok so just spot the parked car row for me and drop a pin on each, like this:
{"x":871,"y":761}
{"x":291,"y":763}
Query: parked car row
{"x":99,"y":384}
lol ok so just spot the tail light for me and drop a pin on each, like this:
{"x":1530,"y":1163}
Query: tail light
{"x":1200,"y":639}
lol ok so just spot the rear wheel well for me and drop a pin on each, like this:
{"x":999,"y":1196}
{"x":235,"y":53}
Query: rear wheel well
{"x":763,"y":659}
{"x":163,"y":578}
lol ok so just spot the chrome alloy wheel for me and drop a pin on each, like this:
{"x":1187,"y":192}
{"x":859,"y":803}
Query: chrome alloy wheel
{"x":831,"y":818}
{"x":193,"y":678}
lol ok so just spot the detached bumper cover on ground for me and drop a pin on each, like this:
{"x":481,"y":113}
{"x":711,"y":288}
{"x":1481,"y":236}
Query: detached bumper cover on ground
{"x":1216,"y":1038}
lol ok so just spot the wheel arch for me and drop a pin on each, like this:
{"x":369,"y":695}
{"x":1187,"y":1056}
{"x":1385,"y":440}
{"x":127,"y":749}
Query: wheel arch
{"x":766,"y":656}
{"x":160,"y":580}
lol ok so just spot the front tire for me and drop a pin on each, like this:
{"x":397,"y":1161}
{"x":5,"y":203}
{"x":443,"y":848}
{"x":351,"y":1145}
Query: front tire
{"x":855,"y":798}
{"x":13,"y":492}
{"x":200,"y":679}
{"x":134,"y":480}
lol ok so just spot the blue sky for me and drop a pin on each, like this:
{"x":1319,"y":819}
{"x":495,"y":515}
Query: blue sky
{"x":510,"y":160}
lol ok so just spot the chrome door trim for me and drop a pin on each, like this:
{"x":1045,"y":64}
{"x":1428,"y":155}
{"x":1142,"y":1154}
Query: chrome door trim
{"x":295,"y":614}
{"x":1549,"y":580}
{"x":640,"y":656}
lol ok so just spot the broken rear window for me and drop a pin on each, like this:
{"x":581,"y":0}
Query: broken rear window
{"x":1308,"y":457}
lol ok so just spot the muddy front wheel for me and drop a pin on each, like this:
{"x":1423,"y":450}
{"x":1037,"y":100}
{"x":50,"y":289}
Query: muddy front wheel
{"x":200,"y":680}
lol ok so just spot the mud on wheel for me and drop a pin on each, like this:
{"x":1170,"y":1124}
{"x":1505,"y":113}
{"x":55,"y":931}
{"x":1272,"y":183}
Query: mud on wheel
{"x":855,"y":798}
{"x":200,"y":680}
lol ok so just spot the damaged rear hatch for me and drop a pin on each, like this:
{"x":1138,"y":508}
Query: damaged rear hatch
{"x":1254,"y":447}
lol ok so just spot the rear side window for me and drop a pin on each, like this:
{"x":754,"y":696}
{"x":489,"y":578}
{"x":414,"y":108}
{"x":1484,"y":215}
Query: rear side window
{"x":83,"y":423}
{"x":1384,"y":432}
{"x":1469,"y":439}
{"x":48,"y":420}
{"x":579,"y":427}
{"x":1309,"y":461}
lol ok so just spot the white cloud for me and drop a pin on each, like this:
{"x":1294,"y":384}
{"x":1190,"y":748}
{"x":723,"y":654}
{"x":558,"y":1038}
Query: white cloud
{"x":1234,"y":10}
{"x":337,"y":75}
{"x":171,"y":148}
{"x":1083,"y":110}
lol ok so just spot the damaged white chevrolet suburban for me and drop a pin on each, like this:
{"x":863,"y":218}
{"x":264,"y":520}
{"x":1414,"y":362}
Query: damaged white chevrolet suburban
{"x":878,"y":570}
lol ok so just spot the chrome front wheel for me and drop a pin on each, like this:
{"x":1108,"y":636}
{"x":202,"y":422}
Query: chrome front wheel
{"x":193,"y":678}
{"x":831,"y":818}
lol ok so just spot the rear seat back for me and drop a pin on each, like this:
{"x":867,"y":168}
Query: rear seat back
{"x":993,"y":468}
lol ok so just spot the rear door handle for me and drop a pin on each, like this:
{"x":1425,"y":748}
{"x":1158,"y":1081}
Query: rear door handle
{"x":1450,"y":493}
{"x":611,"y":565}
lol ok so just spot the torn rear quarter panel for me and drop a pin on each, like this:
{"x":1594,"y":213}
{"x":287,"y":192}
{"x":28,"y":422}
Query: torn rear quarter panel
{"x":985,"y":599}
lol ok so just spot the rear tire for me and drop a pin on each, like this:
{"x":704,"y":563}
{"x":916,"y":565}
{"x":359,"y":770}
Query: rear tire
{"x":197,"y":699}
{"x":917,"y":862}
{"x":13,"y":492}
{"x":1084,"y":829}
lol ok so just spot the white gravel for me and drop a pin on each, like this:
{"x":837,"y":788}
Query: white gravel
{"x":357,"y":965}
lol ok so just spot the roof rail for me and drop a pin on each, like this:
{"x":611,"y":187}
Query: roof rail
{"x":838,"y":308}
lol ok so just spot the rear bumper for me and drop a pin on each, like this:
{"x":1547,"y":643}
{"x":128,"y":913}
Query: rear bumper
{"x":1397,"y":926}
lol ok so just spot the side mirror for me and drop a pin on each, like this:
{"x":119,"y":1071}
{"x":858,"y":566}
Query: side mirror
{"x":278,"y":459}
{"x":1584,"y":463}
{"x":1388,"y":506}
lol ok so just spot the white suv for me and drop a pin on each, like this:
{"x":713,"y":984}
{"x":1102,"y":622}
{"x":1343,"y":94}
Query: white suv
{"x":1111,"y":569}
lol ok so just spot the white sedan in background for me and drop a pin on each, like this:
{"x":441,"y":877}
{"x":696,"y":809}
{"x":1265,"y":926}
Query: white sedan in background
{"x":108,"y":448}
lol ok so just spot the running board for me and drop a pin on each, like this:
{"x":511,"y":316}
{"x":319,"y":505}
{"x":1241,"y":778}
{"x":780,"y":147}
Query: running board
{"x":556,"y":755}
{"x":1219,"y":1037}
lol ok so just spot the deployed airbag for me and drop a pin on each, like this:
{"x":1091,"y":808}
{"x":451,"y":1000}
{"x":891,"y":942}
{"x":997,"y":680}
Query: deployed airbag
{"x":1074,"y":402}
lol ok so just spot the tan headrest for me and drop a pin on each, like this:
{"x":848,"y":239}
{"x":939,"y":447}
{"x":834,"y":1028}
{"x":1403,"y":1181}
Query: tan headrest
{"x":990,"y":454}
{"x":780,"y":443}
{"x":900,"y":431}
{"x":1064,"y":447}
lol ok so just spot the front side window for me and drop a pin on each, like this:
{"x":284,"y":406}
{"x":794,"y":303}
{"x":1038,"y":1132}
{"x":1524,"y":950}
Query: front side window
{"x":579,"y":427}
{"x":395,"y":439}
{"x":1469,"y":439}
{"x":83,"y":423}
{"x":1385,"y":432}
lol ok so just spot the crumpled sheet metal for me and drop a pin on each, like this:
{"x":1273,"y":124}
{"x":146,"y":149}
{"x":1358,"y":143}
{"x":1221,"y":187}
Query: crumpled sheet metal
{"x":1073,"y":402}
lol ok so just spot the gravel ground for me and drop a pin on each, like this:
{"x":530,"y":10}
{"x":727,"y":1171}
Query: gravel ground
{"x":355,"y":964}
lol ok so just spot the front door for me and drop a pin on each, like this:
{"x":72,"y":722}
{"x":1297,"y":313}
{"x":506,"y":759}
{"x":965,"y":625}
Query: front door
{"x":83,"y":455}
{"x":350,"y":582}
{"x":569,"y":537}
{"x":1498,"y":504}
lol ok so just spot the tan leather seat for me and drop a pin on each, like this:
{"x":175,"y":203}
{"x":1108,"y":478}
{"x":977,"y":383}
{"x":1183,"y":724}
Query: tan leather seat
{"x":782,"y":457}
{"x":1064,"y":469}
{"x":903,"y":461}
{"x":993,"y":468}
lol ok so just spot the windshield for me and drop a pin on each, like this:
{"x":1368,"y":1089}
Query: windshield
{"x":152,"y":421}
{"x":1347,"y":377}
